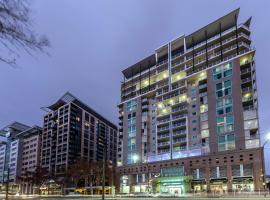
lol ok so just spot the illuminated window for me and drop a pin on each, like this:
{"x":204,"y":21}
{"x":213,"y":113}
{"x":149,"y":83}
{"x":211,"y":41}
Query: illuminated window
{"x":224,"y":106}
{"x":225,"y":124}
{"x":226,"y":142}
{"x":204,"y":125}
{"x":205,"y":133}
{"x":131,"y":119}
{"x":204,"y":117}
{"x":251,"y":124}
{"x":224,"y":88}
{"x":132,"y":105}
{"x":222,"y":71}
{"x":203,"y":108}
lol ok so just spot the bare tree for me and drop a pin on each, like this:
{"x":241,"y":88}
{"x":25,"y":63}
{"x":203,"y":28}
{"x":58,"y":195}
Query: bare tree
{"x":16,"y":31}
{"x":90,"y":173}
{"x":34,"y":178}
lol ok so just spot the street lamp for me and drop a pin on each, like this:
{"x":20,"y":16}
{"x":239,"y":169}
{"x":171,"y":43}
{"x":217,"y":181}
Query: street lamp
{"x":267,"y":139}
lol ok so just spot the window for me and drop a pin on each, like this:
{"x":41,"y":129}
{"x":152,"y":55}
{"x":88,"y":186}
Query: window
{"x":132,"y":105}
{"x":204,"y":125}
{"x":222,"y":71}
{"x":203,"y":108}
{"x":251,"y":124}
{"x":132,"y":144}
{"x":205,"y":133}
{"x":204,"y":117}
{"x":131,"y":119}
{"x":225,"y":124}
{"x":226,"y":142}
{"x":224,"y":106}
{"x":224,"y":88}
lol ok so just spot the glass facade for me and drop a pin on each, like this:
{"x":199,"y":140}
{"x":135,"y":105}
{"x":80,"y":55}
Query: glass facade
{"x":226,"y":142}
{"x":224,"y":88}
{"x":132,"y":105}
{"x":222,"y":71}
{"x":131,"y":138}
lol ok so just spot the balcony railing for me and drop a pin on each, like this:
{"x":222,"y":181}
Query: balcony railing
{"x":163,"y":121}
{"x":162,"y":62}
{"x":178,"y":109}
{"x":248,"y":108}
{"x":179,"y":140}
{"x":180,"y":132}
{"x":246,"y":80}
{"x":247,"y":89}
{"x":175,"y":125}
{"x":178,"y":63}
{"x":244,"y":71}
{"x":178,"y":116}
{"x":177,"y":55}
{"x":163,"y":143}
{"x":163,"y":136}
{"x":165,"y":128}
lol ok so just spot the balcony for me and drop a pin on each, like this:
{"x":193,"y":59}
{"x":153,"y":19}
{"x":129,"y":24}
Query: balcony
{"x":246,"y":99}
{"x":163,"y":144}
{"x":213,"y":38}
{"x":248,"y":108}
{"x":177,"y":55}
{"x":162,"y":91}
{"x":163,"y":121}
{"x":247,"y":89}
{"x":179,"y":85}
{"x":163,"y":129}
{"x":246,"y":80}
{"x":179,"y":125}
{"x":245,"y":71}
{"x":162,"y":63}
{"x":178,"y":117}
{"x":202,"y":86}
{"x":179,"y":140}
{"x":145,"y":108}
{"x":144,"y":100}
{"x":162,"y":136}
{"x":179,"y":133}
{"x":178,"y":63}
{"x":179,"y":109}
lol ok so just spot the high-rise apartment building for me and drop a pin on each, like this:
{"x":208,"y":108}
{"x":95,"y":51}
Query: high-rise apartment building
{"x":19,"y":154}
{"x":188,"y":114}
{"x":73,"y":131}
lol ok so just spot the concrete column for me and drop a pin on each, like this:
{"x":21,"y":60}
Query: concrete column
{"x":258,"y":179}
{"x":229,"y":176}
{"x":207,"y":178}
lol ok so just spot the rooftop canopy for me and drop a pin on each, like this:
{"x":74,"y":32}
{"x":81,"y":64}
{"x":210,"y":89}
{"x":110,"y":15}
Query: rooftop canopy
{"x":144,"y":64}
{"x":212,"y":29}
{"x":68,"y":98}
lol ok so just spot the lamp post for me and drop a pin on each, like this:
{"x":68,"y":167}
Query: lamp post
{"x":7,"y":184}
{"x":267,"y":139}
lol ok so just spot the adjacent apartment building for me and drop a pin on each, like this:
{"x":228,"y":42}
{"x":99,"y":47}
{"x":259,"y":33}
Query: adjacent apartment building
{"x":19,"y":155}
{"x":189,"y":115}
{"x":73,"y":131}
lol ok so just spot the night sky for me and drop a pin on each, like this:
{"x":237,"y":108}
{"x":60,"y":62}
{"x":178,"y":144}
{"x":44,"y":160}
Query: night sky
{"x":93,"y":41}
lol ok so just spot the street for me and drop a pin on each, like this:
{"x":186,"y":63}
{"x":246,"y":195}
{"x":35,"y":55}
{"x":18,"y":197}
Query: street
{"x":132,"y":198}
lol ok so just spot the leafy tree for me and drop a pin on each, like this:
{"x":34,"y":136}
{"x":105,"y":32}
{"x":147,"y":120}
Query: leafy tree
{"x":16,"y":31}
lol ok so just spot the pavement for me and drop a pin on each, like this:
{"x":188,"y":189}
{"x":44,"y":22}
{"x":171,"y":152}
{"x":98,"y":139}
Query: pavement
{"x":255,"y":197}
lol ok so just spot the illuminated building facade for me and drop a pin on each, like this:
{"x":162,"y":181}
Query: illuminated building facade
{"x":73,"y":131}
{"x":193,"y":105}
